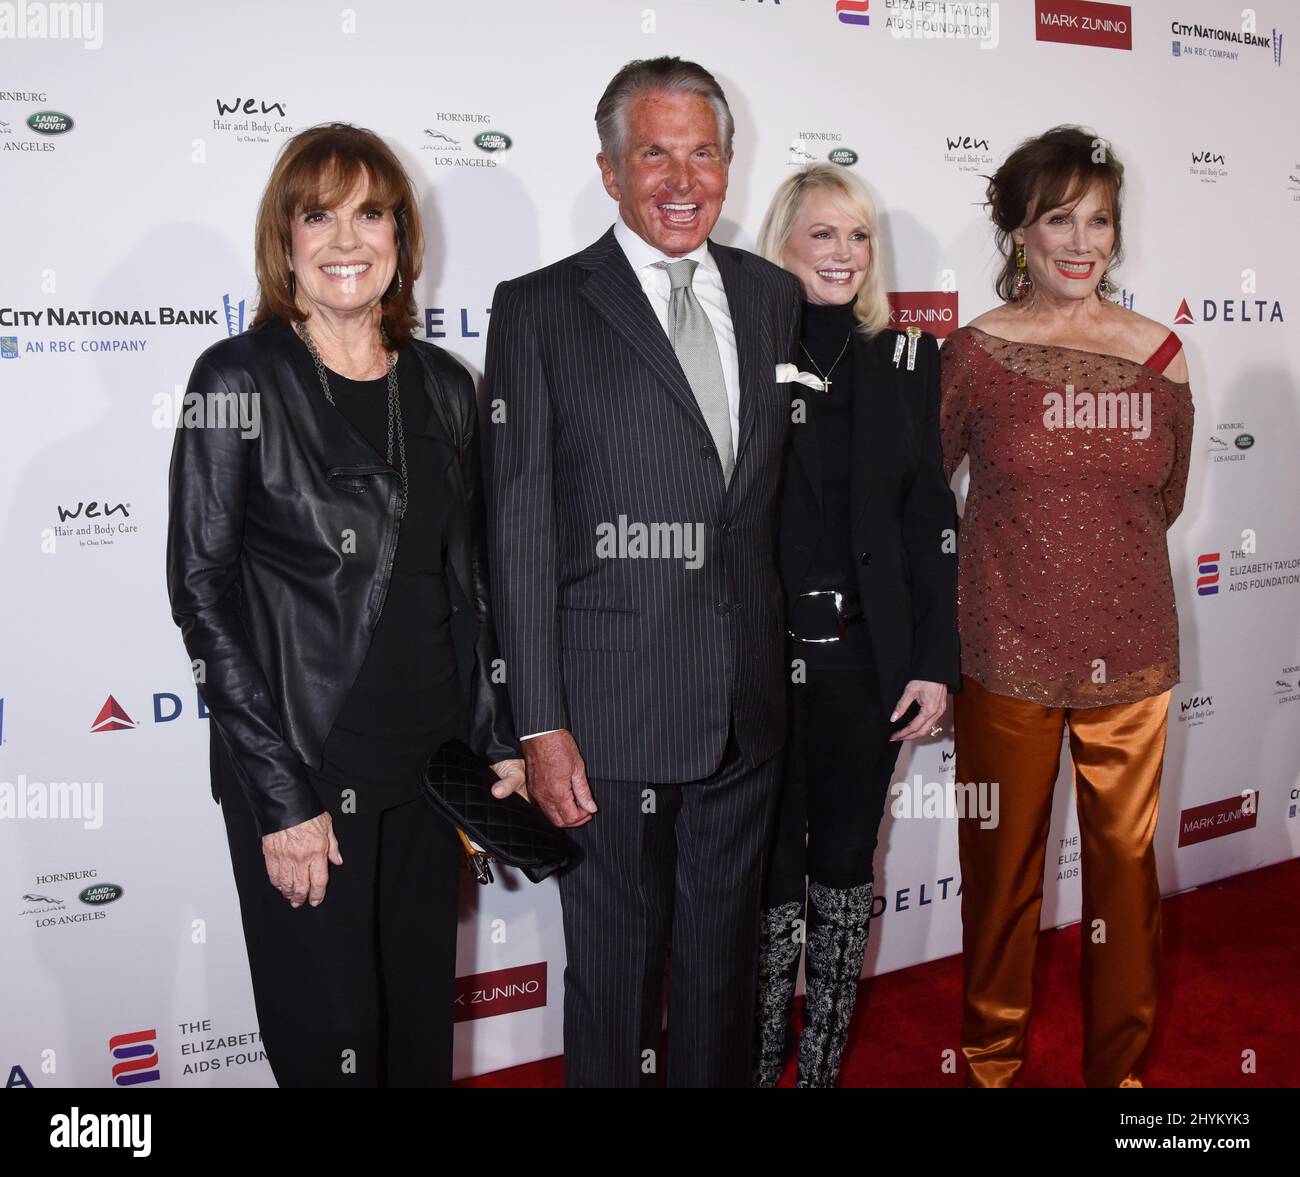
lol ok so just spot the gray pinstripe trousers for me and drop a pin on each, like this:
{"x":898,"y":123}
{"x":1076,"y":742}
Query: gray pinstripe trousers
{"x":667,"y":866}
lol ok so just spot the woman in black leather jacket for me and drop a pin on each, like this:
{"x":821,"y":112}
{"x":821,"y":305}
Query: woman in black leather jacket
{"x":325,"y":562}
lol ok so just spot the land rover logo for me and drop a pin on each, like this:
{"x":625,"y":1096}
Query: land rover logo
{"x":49,"y":122}
{"x":1243,"y":441}
{"x":101,"y":893}
{"x":843,"y":156}
{"x":492,"y":141}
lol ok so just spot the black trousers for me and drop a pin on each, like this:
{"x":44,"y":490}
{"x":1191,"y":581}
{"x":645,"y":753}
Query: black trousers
{"x":838,"y":765}
{"x":666,"y":864}
{"x":358,"y":991}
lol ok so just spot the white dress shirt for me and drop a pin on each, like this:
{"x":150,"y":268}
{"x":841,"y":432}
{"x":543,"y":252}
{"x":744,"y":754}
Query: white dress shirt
{"x":708,"y":288}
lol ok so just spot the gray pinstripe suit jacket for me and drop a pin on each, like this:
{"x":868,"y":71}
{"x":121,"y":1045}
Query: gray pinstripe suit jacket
{"x":644,"y":659}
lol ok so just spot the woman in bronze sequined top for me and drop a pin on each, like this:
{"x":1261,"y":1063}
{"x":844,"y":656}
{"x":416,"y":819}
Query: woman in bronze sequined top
{"x":1077,"y":418}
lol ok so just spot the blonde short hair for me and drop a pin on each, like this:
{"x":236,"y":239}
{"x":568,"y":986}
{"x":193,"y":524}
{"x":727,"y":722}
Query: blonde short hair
{"x":872,"y":304}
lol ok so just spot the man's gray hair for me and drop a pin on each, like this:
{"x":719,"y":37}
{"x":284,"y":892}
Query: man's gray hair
{"x":657,"y":74}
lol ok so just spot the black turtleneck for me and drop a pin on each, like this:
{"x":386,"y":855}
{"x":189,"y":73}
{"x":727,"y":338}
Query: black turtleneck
{"x":826,"y":330}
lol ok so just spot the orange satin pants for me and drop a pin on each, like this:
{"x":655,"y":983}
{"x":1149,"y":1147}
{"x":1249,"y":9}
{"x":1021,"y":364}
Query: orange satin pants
{"x":1118,"y":753}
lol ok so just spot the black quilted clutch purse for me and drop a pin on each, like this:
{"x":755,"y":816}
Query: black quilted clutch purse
{"x":458,"y":784}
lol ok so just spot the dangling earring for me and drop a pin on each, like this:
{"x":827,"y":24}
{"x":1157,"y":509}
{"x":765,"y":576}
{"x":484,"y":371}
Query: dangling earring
{"x":292,"y":284}
{"x":399,"y":281}
{"x":1024,"y":284}
{"x":1105,"y":288}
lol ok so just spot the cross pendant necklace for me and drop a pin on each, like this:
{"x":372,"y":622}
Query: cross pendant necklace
{"x":826,"y":376}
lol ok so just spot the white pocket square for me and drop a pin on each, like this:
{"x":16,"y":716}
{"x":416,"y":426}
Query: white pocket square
{"x":790,"y":374}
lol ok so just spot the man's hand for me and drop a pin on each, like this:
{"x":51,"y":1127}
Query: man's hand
{"x":513,"y":779}
{"x":297,"y":859}
{"x":557,"y":779}
{"x":931,"y":697}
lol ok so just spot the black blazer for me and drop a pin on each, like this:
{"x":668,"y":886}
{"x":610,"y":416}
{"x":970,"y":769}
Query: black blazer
{"x":276,"y":614}
{"x":902,"y":514}
{"x":645,"y":660}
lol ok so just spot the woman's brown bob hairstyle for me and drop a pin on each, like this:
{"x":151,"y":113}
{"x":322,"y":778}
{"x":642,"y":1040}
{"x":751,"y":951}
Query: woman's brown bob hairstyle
{"x":316,"y":169}
{"x":1051,"y":171}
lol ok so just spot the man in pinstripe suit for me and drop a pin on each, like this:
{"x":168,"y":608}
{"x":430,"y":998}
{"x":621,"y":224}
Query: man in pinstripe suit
{"x":634,"y":456}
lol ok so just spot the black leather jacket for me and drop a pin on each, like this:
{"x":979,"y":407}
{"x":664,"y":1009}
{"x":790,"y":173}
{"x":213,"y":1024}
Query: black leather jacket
{"x":279,"y":551}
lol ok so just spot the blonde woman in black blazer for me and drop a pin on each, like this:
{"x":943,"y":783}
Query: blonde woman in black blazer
{"x":868,"y":562}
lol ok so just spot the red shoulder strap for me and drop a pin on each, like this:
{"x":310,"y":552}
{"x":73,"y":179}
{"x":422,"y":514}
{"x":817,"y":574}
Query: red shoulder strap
{"x":1165,"y":352}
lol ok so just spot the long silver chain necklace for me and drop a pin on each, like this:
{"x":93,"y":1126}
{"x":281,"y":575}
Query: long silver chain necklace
{"x":395,"y":429}
{"x":826,"y":376}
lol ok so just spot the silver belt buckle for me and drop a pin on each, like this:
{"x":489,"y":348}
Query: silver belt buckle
{"x":842,"y":627}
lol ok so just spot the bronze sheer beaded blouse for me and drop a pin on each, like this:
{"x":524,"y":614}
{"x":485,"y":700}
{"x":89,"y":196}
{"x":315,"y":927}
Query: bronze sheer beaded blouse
{"x":1078,"y":468}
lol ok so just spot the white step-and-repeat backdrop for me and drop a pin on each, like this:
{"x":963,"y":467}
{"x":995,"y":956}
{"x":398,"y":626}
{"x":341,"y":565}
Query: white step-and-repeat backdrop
{"x":135,"y":139}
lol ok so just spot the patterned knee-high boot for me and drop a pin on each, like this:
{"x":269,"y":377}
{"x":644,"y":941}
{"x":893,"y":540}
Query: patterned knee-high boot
{"x":778,"y":967}
{"x":839,"y":920}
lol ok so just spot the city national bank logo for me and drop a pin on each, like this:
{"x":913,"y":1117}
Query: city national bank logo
{"x":934,"y":311}
{"x":1214,"y":43}
{"x":1209,"y":167}
{"x":1196,"y":710}
{"x":503,"y":991}
{"x":234,"y":312}
{"x":113,"y":717}
{"x":1232,"y":310}
{"x":1082,"y":22}
{"x":1218,"y":819}
{"x":1207,"y":575}
{"x":137,"y":1057}
{"x":853,"y":12}
{"x":55,"y":318}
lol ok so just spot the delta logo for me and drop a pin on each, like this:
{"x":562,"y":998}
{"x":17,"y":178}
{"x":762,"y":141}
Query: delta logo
{"x":1232,"y":310}
{"x":1083,"y":22}
{"x":853,"y":12}
{"x":137,"y":1057}
{"x":934,"y":311}
{"x":113,"y":717}
{"x":1207,"y":574}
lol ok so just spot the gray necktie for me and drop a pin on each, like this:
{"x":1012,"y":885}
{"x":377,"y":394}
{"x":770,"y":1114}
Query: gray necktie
{"x":696,"y":346}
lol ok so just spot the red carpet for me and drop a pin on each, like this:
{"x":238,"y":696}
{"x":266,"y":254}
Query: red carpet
{"x":1231,"y":958}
